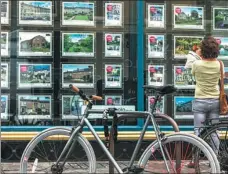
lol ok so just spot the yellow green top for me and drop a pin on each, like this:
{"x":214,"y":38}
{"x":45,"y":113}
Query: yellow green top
{"x":207,"y":75}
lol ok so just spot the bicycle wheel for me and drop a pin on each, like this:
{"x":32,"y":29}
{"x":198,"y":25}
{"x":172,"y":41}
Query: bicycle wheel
{"x":151,"y":159}
{"x":43,"y":151}
{"x":217,"y":136}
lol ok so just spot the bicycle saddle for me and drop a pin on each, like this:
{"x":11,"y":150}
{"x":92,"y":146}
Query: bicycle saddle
{"x":166,"y":89}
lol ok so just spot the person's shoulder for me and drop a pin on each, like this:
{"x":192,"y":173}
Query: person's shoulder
{"x":198,"y":62}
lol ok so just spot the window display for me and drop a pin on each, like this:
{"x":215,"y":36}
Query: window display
{"x":78,"y":44}
{"x":159,"y":106}
{"x":113,"y":45}
{"x":223,"y":52}
{"x":113,"y":100}
{"x":225,"y":77}
{"x":4,"y":44}
{"x":4,"y":75}
{"x":4,"y":106}
{"x":183,"y":107}
{"x":113,"y":14}
{"x":183,"y":78}
{"x":35,"y":44}
{"x":71,"y":106}
{"x":156,"y":46}
{"x":188,"y":17}
{"x":34,"y":106}
{"x":156,"y":16}
{"x":113,"y":76}
{"x":35,"y":12}
{"x":81,"y":75}
{"x":220,"y":18}
{"x":34,"y":75}
{"x":156,"y":75}
{"x":5,"y":12}
{"x":78,"y":13}
{"x":184,"y":44}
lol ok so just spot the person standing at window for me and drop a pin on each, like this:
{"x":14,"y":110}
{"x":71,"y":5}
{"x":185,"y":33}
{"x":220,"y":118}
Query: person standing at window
{"x":207,"y":74}
{"x":192,"y":56}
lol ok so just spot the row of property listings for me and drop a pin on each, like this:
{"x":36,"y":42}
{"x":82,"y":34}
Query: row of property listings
{"x":79,"y":44}
{"x":83,"y":75}
{"x":72,"y":107}
{"x":80,"y":13}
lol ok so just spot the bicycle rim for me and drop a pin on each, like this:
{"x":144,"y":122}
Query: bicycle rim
{"x":43,"y":151}
{"x":178,"y":145}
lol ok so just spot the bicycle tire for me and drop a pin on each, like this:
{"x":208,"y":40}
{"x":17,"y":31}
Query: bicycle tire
{"x":207,"y":132}
{"x":177,"y":136}
{"x":58,"y":131}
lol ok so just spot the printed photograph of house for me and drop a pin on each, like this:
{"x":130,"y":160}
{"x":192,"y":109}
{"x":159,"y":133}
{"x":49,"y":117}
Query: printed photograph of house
{"x":155,"y":46}
{"x":4,"y":44}
{"x":4,"y":106}
{"x":113,"y":100}
{"x":4,"y":75}
{"x":157,"y":13}
{"x":183,"y":107}
{"x":34,"y":43}
{"x":78,"y":13}
{"x":183,"y":78}
{"x":36,"y":75}
{"x":188,"y":17}
{"x":113,"y":44}
{"x":35,"y":12}
{"x":159,"y":105}
{"x":78,"y":44}
{"x":113,"y":76}
{"x":71,"y":106}
{"x":4,"y":12}
{"x":155,"y":75}
{"x":78,"y":74}
{"x":184,"y":44}
{"x":30,"y":105}
{"x":220,"y":18}
{"x":113,"y":14}
{"x":223,"y":47}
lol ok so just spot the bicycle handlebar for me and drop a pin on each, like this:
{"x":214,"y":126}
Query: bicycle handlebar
{"x":82,"y":95}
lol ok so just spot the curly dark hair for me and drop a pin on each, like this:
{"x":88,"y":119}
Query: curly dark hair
{"x":209,"y":47}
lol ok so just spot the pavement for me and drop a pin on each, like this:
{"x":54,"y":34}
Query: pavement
{"x":103,"y":167}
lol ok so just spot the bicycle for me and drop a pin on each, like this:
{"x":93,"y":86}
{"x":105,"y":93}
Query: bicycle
{"x":163,"y":143}
{"x":217,"y":128}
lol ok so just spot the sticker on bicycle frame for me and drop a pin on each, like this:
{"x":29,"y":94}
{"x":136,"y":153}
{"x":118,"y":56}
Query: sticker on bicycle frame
{"x":183,"y":107}
{"x":155,"y":75}
{"x":155,"y":46}
{"x":183,"y":78}
{"x":113,"y":14}
{"x":113,"y":76}
{"x":159,"y":105}
{"x":156,"y":16}
{"x":113,"y":100}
